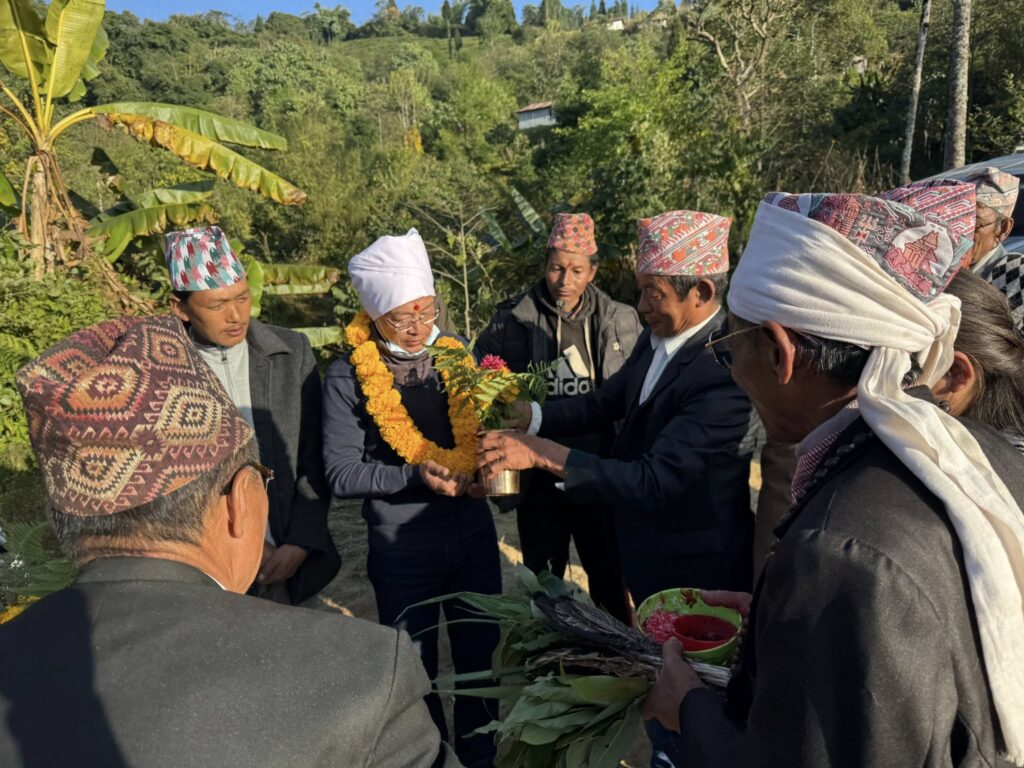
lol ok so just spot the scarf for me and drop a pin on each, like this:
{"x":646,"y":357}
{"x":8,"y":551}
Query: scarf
{"x":803,"y":274}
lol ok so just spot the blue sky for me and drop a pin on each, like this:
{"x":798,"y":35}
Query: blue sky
{"x":249,"y":9}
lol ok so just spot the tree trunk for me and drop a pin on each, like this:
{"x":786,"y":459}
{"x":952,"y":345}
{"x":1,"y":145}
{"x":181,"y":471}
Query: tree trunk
{"x":915,"y":92}
{"x":956,"y":120}
{"x":39,"y":206}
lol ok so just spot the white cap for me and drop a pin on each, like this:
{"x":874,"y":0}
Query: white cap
{"x":393,"y":271}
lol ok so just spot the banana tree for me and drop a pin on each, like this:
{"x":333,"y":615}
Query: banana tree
{"x":56,"y":56}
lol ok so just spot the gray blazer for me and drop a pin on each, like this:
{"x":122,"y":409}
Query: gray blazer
{"x":284,"y":384}
{"x":147,"y":663}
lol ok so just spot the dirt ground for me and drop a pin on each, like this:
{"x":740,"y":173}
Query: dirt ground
{"x":351,"y":594}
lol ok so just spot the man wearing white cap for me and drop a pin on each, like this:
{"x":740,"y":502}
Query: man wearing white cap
{"x":996,"y":196}
{"x":887,"y":627}
{"x":392,"y":439}
{"x":271,"y":376}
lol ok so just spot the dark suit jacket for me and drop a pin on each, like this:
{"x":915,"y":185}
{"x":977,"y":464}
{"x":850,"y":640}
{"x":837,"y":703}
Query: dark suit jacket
{"x":147,"y":663}
{"x":862,"y":648}
{"x":284,"y":385}
{"x":676,"y":475}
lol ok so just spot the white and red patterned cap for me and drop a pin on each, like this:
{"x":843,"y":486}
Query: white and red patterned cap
{"x":683,"y":243}
{"x":996,"y":190}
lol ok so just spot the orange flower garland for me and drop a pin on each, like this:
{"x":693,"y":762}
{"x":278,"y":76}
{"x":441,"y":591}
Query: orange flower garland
{"x":384,"y":404}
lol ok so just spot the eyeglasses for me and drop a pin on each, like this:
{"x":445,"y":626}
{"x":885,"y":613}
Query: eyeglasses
{"x":424,"y":318}
{"x":997,"y":221}
{"x":723,"y":355}
{"x":265,"y":472}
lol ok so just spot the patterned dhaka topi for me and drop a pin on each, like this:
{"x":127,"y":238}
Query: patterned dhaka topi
{"x":201,"y":259}
{"x":573,"y":233}
{"x":950,"y":203}
{"x":124,"y":412}
{"x":683,"y":243}
{"x":996,"y":190}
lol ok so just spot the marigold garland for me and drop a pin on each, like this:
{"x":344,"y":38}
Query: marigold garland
{"x":384,"y":404}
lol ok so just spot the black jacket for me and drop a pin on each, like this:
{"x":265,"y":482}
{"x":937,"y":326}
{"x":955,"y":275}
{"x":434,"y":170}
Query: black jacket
{"x":863,"y":650}
{"x":518,"y":334}
{"x":284,"y":385}
{"x":678,"y":472}
{"x":148,"y":663}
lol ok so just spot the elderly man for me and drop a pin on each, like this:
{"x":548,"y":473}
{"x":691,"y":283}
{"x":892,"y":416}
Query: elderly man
{"x":996,"y":196}
{"x":887,"y":627}
{"x":571,"y":328}
{"x":154,"y":656}
{"x":271,"y":376}
{"x":676,"y":476}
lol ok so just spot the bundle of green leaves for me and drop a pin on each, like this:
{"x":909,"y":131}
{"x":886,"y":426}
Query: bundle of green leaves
{"x":570,"y":677}
{"x":489,"y":387}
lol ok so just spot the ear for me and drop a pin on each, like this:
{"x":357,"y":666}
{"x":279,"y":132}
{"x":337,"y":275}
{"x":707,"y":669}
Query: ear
{"x":705,"y":292}
{"x":240,"y":502}
{"x":178,"y":308}
{"x":782,"y":352}
{"x":1005,"y":228}
{"x":593,"y":273}
{"x":960,"y":377}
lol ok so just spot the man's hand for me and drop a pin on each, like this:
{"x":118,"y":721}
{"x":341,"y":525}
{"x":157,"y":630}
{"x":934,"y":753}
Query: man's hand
{"x":280,"y":564}
{"x":738,"y":601}
{"x":498,"y":451}
{"x":675,"y":680}
{"x":443,"y":481}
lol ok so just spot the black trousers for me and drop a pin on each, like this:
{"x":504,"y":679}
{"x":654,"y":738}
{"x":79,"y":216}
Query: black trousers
{"x":407,"y":572}
{"x":547,"y":520}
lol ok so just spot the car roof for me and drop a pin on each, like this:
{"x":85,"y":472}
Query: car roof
{"x":1012,"y":164}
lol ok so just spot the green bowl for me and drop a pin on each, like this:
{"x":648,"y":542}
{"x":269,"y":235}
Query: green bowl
{"x":686,"y":602}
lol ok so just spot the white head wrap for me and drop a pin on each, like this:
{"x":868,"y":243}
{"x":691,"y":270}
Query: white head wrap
{"x":806,"y":275}
{"x":391,"y":272}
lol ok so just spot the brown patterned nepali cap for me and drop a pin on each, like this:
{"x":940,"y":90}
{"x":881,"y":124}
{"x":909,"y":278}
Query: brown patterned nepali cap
{"x":573,"y":233}
{"x":124,"y":412}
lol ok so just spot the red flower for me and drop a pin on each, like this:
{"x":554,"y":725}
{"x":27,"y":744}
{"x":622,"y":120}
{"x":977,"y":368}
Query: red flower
{"x":493,"y":363}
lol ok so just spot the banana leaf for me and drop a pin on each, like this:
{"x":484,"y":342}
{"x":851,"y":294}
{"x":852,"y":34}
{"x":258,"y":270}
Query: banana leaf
{"x":530,"y":216}
{"x":254,"y":273}
{"x":8,"y":195}
{"x":19,"y":23}
{"x":495,"y":231}
{"x":39,"y":570}
{"x":299,"y":279}
{"x":198,"y":121}
{"x":71,"y":26}
{"x":206,"y":154}
{"x":322,"y":337}
{"x":179,"y":194}
{"x":119,"y":231}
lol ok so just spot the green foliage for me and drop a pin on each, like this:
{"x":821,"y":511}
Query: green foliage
{"x":34,"y":314}
{"x":488,"y":388}
{"x":30,"y":569}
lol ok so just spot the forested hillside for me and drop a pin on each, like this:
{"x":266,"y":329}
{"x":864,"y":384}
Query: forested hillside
{"x":410,"y":120}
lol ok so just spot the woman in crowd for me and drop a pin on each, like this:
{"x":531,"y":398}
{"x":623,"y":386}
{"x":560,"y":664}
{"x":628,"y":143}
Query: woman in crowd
{"x":986,"y":380}
{"x":391,"y":439}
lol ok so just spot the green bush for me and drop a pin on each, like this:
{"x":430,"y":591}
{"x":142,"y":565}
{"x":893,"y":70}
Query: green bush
{"x":34,"y":314}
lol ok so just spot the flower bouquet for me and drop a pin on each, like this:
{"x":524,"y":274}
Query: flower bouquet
{"x":569,"y":676}
{"x":489,"y":388}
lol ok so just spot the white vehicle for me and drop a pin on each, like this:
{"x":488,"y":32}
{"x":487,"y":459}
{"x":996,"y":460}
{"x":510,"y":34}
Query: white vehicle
{"x":1013,"y":164}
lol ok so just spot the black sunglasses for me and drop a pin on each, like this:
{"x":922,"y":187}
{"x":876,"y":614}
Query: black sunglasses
{"x":265,"y":472}
{"x":722,"y":353}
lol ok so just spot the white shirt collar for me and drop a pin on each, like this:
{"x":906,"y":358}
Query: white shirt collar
{"x":672,"y":344}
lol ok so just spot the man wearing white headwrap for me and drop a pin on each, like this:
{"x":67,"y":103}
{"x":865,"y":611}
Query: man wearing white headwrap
{"x":427,"y":537}
{"x":887,"y":628}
